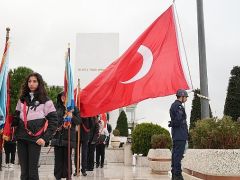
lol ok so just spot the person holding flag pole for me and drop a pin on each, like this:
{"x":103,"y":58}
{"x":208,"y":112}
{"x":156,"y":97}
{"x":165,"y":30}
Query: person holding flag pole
{"x":60,"y":140}
{"x":82,"y":135}
{"x":69,"y":105}
{"x":8,"y":133}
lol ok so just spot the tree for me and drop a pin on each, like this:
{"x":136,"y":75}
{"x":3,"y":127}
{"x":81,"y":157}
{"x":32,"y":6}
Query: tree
{"x":53,"y":91}
{"x":196,"y":109}
{"x":232,"y":103}
{"x":17,"y":78}
{"x":122,"y":124}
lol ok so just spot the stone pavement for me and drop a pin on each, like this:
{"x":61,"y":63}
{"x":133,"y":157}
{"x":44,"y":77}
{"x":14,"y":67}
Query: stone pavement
{"x":112,"y":171}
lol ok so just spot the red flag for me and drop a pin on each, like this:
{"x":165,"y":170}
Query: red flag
{"x":77,"y":97}
{"x":150,"y":68}
{"x":103,"y":117}
{"x":8,"y":130}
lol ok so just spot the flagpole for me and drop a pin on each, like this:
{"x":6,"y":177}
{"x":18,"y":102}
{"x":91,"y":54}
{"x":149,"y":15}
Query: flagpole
{"x":69,"y":138}
{"x":79,"y":129}
{"x":202,"y":61}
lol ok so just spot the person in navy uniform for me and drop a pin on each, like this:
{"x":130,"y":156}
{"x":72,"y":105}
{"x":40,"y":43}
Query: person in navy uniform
{"x":179,"y":132}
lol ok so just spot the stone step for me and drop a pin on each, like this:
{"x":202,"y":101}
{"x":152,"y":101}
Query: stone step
{"x":112,"y":155}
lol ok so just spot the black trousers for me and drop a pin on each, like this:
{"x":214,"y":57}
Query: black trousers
{"x":10,"y":150}
{"x":61,"y":162}
{"x":90,"y":157}
{"x":177,"y":155}
{"x":0,"y":160}
{"x":84,"y":146}
{"x":100,"y":152}
{"x":28,"y":154}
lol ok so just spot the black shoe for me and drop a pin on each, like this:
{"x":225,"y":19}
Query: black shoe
{"x":83,"y":172}
{"x":101,"y":166}
{"x":177,"y":177}
{"x":75,"y":174}
{"x":89,"y":169}
{"x":97,"y":165}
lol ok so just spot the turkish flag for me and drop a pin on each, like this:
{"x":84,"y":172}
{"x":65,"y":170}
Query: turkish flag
{"x":150,"y":68}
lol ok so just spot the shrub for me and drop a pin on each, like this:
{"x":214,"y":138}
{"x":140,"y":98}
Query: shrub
{"x":141,"y":137}
{"x":122,"y":124}
{"x":116,"y":132}
{"x":216,"y":134}
{"x":160,"y":141}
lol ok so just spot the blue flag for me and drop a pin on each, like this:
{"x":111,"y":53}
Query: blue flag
{"x":68,"y":86}
{"x":3,"y":86}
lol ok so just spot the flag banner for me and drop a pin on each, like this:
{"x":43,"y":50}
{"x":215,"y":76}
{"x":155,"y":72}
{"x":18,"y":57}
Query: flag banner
{"x":77,"y":97}
{"x":3,"y":85}
{"x":151,"y":67}
{"x":68,"y":89}
{"x":8,"y":130}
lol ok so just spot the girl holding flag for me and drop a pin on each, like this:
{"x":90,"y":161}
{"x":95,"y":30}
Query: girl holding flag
{"x":60,"y":139}
{"x":33,"y":110}
{"x":68,"y":118}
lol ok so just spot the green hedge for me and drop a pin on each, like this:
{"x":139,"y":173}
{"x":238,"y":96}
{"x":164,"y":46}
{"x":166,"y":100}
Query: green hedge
{"x":160,"y":141}
{"x":141,"y":137}
{"x":216,"y":133}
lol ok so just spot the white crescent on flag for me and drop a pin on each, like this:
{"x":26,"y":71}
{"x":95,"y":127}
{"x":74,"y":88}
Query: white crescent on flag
{"x":146,"y":66}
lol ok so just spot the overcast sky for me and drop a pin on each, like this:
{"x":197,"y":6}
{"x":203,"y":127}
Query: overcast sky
{"x":41,"y":29}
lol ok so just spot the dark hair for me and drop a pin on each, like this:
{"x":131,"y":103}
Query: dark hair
{"x":40,"y":93}
{"x":59,"y":103}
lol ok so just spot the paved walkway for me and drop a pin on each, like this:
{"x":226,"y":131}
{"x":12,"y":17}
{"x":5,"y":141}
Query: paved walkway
{"x":109,"y":172}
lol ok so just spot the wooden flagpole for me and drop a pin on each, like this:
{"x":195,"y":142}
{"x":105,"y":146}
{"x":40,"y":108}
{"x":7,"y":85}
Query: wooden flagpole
{"x":79,"y":129}
{"x":69,"y":138}
{"x":69,"y":154}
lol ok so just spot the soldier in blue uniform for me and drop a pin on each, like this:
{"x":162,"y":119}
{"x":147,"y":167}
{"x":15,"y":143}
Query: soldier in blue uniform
{"x":179,"y":132}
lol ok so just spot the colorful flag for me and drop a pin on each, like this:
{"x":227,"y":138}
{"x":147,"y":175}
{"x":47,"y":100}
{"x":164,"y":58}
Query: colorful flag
{"x":3,"y":85}
{"x":68,"y":89}
{"x":150,"y":68}
{"x":8,"y":130}
{"x":77,"y":97}
{"x":103,"y":117}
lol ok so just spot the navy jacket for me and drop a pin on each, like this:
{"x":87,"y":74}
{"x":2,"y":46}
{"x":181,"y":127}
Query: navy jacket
{"x":178,"y":121}
{"x":85,"y":131}
{"x":94,"y":131}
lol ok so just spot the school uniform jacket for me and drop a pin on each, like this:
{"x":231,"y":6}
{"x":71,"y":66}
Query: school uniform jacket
{"x":37,"y":114}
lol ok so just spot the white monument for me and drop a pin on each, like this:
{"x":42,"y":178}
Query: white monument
{"x":94,"y":52}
